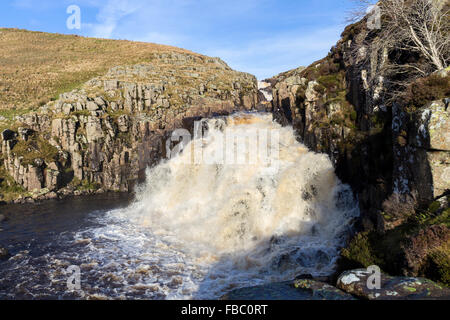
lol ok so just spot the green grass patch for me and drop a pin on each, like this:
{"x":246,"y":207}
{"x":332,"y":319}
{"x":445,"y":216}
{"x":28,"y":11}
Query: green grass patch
{"x":35,"y":148}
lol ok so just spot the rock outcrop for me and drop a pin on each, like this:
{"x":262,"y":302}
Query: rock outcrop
{"x":105,"y":134}
{"x":337,"y":106}
{"x":358,"y":284}
{"x":394,"y":150}
{"x":355,"y":282}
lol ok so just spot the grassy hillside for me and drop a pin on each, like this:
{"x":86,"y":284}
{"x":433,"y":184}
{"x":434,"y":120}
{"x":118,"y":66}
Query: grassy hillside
{"x":36,"y":67}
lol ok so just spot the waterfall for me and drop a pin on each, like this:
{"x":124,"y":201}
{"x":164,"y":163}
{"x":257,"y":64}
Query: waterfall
{"x":281,"y":214}
{"x":243,"y":203}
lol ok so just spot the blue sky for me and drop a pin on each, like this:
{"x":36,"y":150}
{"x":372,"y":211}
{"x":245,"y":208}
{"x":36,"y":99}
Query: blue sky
{"x":263,"y":37}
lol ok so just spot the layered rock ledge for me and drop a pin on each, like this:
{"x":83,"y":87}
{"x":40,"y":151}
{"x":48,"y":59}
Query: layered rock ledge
{"x":102,"y":136}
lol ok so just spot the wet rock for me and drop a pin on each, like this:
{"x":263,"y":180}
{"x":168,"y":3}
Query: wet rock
{"x":51,"y":195}
{"x":355,"y":282}
{"x":321,"y":290}
{"x":298,"y":290}
{"x":2,"y":218}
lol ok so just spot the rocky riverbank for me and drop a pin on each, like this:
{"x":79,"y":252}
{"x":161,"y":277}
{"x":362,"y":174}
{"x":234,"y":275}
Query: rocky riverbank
{"x":351,"y":285}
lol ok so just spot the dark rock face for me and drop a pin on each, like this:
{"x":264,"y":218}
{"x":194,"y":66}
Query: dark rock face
{"x":395,"y":155}
{"x":8,"y":135}
{"x":355,"y":282}
{"x":321,"y":291}
{"x":337,"y":107}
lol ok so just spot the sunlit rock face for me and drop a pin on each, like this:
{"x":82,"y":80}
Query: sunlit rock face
{"x":104,"y":134}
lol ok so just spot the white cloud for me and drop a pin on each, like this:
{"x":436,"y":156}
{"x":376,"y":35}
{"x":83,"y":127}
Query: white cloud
{"x":110,"y":15}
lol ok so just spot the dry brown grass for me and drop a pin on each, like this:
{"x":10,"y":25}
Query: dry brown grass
{"x":35,"y":67}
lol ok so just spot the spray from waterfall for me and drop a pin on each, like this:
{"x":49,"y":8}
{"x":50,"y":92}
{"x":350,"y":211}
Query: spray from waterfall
{"x":277,"y":212}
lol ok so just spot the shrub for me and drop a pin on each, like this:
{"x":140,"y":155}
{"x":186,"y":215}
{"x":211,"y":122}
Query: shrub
{"x":425,"y":90}
{"x":360,"y":251}
{"x":438,"y":266}
{"x":399,"y":206}
{"x":35,"y":148}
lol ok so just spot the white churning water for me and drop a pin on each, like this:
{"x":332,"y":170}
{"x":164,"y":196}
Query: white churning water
{"x":225,"y":225}
{"x":198,"y":229}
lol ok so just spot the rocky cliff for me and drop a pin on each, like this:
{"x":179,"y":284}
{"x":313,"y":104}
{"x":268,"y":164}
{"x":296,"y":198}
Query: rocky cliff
{"x":103,"y":135}
{"x":394,"y":154}
{"x":378,"y":148}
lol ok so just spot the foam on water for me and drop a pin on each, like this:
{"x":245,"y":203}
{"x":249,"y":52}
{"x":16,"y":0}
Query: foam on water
{"x":197,"y":230}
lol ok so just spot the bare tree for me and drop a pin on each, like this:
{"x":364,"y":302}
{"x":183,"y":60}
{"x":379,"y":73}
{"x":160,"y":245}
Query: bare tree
{"x":360,"y":10}
{"x":415,"y":26}
{"x":421,"y":26}
{"x":410,"y":40}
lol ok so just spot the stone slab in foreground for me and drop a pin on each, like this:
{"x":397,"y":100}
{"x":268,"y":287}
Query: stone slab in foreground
{"x":392,"y":288}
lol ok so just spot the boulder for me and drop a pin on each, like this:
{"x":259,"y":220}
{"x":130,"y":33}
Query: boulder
{"x":100,"y":102}
{"x":67,"y":108}
{"x":355,"y":282}
{"x":321,"y":291}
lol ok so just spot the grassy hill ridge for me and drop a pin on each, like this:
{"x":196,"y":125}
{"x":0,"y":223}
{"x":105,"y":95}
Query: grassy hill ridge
{"x":35,"y":67}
